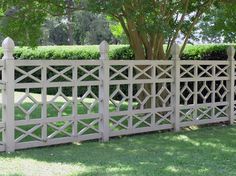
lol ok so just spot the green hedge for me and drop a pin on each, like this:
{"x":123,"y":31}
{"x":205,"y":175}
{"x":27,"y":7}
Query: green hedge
{"x":117,"y":52}
{"x":205,"y":52}
{"x":71,"y":52}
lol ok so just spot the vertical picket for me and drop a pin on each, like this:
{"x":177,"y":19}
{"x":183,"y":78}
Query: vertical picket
{"x":44,"y":100}
{"x":230,"y":85}
{"x":175,"y":51}
{"x":75,"y":101}
{"x":104,"y":90}
{"x":8,"y":94}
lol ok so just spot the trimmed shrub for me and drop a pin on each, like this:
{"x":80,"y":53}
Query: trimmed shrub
{"x":89,"y":52}
{"x":117,"y":52}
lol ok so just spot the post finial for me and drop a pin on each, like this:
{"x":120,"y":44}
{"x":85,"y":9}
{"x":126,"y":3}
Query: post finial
{"x":175,"y":51}
{"x":231,"y":52}
{"x":8,"y":47}
{"x":104,"y":49}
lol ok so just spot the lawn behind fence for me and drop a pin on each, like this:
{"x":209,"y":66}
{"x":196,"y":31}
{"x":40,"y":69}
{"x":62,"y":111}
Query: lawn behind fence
{"x":209,"y":151}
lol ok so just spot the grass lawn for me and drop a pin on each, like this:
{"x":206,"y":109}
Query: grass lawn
{"x":209,"y":151}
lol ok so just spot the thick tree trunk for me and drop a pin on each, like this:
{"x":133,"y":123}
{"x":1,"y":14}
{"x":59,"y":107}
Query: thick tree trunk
{"x":69,"y":24}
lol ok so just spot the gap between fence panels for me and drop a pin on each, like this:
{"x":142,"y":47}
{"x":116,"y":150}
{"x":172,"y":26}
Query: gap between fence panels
{"x":53,"y":102}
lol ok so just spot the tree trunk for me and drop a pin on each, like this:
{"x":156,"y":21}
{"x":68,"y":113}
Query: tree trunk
{"x":70,"y":20}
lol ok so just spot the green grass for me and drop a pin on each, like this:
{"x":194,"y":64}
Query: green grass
{"x":207,"y":151}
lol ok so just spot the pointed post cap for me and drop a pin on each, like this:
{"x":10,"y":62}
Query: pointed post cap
{"x":175,"y":51}
{"x":231,"y":52}
{"x":8,"y":47}
{"x":104,"y":49}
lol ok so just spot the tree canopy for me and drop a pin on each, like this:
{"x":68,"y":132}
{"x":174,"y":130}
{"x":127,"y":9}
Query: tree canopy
{"x":147,"y":24}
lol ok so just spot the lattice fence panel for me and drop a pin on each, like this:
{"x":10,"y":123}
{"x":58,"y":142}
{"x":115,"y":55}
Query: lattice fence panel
{"x":140,"y":96}
{"x":88,"y":117}
{"x":203,"y":92}
{"x":56,"y":102}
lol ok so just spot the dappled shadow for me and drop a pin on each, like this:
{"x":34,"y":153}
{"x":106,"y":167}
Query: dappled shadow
{"x":207,"y":151}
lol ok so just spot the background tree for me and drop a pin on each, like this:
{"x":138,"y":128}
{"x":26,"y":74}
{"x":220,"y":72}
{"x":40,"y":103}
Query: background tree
{"x":150,"y":24}
{"x":88,"y":28}
{"x":219,"y":25}
{"x":147,"y":24}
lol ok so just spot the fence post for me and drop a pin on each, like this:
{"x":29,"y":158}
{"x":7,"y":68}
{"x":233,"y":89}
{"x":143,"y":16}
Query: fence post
{"x":104,"y":90}
{"x":175,"y":52}
{"x":8,"y":94}
{"x":231,"y":84}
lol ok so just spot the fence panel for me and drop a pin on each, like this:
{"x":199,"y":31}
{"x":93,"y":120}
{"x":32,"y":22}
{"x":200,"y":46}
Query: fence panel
{"x":48,"y":106}
{"x":203,"y":92}
{"x":140,"y":96}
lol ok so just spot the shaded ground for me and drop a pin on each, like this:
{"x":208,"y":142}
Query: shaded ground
{"x":206,"y":151}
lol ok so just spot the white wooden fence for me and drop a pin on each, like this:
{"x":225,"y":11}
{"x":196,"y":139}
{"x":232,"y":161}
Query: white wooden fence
{"x":98,"y":99}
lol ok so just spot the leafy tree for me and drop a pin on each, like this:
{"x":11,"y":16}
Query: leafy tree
{"x":147,"y":24}
{"x":219,"y":25}
{"x":22,"y":20}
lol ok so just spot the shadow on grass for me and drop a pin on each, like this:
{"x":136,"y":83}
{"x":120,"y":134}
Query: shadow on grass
{"x":207,"y":151}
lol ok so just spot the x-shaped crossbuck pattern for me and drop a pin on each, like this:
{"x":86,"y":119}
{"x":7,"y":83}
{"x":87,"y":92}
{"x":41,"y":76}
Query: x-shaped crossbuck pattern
{"x":28,"y":132}
{"x":163,"y":118}
{"x":119,"y":123}
{"x":118,"y":73}
{"x":221,"y":70}
{"x":142,"y":72}
{"x":205,"y":70}
{"x":164,"y":71}
{"x":92,"y":104}
{"x":187,"y":115}
{"x":27,"y":100}
{"x":142,"y":120}
{"x":204,"y":113}
{"x":28,"y":74}
{"x":54,"y":102}
{"x":187,"y":71}
{"x":63,"y":130}
{"x":221,"y":111}
{"x":91,"y":73}
{"x":88,"y":126}
{"x":60,"y":74}
{"x":201,"y":113}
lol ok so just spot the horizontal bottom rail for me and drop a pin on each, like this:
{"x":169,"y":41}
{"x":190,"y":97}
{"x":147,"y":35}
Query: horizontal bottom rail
{"x":32,"y":144}
{"x":204,"y":121}
{"x":140,"y":130}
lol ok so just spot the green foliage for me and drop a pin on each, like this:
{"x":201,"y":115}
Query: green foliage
{"x":23,"y":20}
{"x":219,"y":25}
{"x":70,"y":52}
{"x":147,"y":24}
{"x":117,"y":52}
{"x":205,"y":52}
